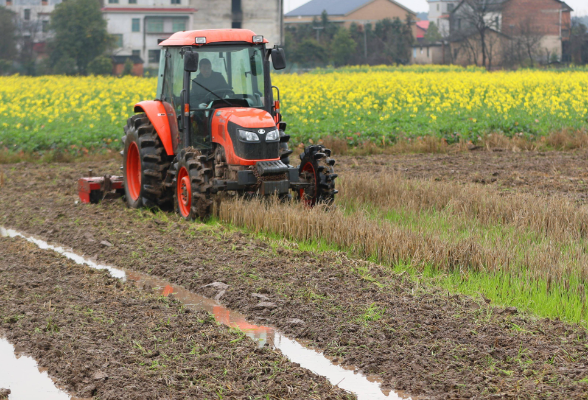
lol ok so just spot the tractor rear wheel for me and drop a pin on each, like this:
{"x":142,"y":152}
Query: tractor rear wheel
{"x":316,"y":167}
{"x":192,"y":184}
{"x":145,"y":164}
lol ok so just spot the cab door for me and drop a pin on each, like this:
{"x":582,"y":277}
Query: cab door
{"x":171,"y":101}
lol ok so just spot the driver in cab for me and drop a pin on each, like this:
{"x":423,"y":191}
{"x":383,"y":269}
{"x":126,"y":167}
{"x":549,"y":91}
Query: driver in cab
{"x":207,"y":81}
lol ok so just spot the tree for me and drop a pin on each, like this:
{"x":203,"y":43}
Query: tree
{"x":342,"y":47}
{"x":433,"y":34}
{"x":80,"y":34}
{"x":471,"y":24}
{"x":311,"y":53}
{"x":128,"y":67}
{"x":579,"y":41}
{"x":8,"y":35}
{"x":102,"y":65}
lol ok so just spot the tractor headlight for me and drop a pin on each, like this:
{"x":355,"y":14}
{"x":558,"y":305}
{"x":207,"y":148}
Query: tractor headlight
{"x":248,"y":136}
{"x":272,"y":136}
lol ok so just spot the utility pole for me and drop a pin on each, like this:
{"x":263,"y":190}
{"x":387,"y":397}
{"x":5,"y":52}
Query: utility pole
{"x":364,"y":41}
{"x":318,"y":29}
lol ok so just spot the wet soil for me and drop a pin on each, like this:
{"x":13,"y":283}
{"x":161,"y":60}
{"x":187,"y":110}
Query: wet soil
{"x":561,"y":173}
{"x":417,"y":339}
{"x":101,"y":338}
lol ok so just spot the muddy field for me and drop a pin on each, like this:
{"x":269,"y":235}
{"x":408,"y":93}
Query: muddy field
{"x":564,"y":173}
{"x":417,"y":339}
{"x":102,"y":338}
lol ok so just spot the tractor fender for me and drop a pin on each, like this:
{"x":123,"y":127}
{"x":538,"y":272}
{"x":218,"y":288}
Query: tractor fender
{"x":155,"y":111}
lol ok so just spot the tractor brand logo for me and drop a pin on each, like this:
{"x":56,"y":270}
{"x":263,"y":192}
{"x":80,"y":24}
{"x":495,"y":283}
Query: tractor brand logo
{"x":261,"y":131}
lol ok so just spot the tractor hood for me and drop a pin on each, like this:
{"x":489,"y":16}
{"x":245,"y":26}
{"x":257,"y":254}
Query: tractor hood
{"x":250,"y":117}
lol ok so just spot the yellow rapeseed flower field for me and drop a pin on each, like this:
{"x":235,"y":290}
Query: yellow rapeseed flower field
{"x":50,"y":112}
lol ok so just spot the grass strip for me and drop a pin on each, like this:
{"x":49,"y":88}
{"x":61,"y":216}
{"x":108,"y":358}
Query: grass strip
{"x":462,"y":266}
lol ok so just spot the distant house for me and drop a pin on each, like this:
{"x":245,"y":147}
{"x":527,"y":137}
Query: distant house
{"x":422,"y":27}
{"x":430,"y":53}
{"x":546,"y":21}
{"x":346,"y":12}
{"x":118,"y":65}
{"x":439,"y":12}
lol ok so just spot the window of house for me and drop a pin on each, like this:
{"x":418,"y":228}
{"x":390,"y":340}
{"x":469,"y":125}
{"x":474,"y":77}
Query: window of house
{"x":155,"y":25}
{"x":113,"y":1}
{"x":136,"y":25}
{"x":497,"y":22}
{"x":236,"y":6}
{"x":45,"y":26}
{"x":427,"y":52}
{"x":178,"y":24}
{"x":8,"y":2}
{"x":437,"y":7}
{"x":118,"y":40}
{"x":27,"y":14}
{"x":236,"y":24}
{"x":421,"y":50}
{"x":176,"y":1}
{"x":44,"y":2}
{"x":154,"y":56}
{"x":136,"y":53}
{"x":459,"y":23}
{"x":449,"y":7}
{"x":132,"y":1}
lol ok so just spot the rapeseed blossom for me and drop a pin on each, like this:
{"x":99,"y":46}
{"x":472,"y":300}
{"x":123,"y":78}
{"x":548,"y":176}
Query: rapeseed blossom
{"x":357,"y":104}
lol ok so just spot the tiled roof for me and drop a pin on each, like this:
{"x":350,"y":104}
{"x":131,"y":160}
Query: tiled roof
{"x":332,"y":7}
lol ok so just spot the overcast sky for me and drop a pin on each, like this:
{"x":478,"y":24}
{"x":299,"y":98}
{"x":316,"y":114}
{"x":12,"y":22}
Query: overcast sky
{"x":580,"y":6}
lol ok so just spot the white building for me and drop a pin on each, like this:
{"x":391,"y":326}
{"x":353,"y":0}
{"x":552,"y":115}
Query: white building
{"x":32,"y":21}
{"x":139,"y":25}
{"x":439,"y":11}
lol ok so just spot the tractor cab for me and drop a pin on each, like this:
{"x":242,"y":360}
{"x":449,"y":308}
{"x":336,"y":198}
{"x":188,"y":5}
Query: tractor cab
{"x":215,"y":126}
{"x":210,"y":74}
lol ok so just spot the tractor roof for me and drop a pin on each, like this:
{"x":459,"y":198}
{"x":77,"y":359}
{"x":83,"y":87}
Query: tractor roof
{"x":188,"y":38}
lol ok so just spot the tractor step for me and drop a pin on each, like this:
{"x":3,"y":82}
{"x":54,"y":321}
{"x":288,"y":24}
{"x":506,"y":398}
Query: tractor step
{"x":94,"y":189}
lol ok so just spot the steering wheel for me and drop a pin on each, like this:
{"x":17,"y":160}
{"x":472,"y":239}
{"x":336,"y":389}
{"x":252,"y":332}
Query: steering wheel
{"x":222,"y":93}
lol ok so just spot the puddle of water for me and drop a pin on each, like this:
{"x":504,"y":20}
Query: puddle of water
{"x":117,"y":273}
{"x":366,"y":388}
{"x":24,"y":378}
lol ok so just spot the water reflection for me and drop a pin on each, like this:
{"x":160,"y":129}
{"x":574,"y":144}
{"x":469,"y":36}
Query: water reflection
{"x":366,"y":388}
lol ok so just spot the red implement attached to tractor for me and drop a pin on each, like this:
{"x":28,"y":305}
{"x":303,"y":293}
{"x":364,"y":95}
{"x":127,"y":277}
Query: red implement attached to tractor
{"x":215,"y":126}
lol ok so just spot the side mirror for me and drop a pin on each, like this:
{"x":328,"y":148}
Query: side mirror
{"x":278,"y":58}
{"x":191,"y":61}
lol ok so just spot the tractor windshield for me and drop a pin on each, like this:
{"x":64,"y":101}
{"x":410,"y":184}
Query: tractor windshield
{"x":231,"y":74}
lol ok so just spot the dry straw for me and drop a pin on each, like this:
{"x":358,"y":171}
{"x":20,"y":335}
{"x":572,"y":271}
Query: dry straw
{"x":553,"y":216}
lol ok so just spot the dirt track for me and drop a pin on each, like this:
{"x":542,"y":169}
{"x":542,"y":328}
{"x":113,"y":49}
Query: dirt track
{"x":418,"y":339}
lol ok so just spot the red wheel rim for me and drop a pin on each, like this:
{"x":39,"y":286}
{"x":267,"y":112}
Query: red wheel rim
{"x":134,"y":171}
{"x":309,"y":201}
{"x":184,"y":192}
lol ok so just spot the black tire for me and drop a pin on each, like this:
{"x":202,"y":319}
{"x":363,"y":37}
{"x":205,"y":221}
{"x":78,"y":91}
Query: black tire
{"x":316,"y":166}
{"x":153,"y":160}
{"x":200,"y":174}
{"x":284,"y":149}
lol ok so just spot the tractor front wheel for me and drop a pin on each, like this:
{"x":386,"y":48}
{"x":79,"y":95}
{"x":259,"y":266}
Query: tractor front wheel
{"x":316,"y":167}
{"x":192,"y":183}
{"x":145,"y":164}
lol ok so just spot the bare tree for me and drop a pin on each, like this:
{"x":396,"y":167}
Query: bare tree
{"x":472,"y":22}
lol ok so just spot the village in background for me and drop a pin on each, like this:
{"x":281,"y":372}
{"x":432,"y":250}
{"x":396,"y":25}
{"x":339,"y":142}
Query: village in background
{"x":121,"y":37}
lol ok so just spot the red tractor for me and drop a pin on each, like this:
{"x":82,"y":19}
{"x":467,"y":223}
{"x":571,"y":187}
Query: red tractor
{"x":215,"y":127}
